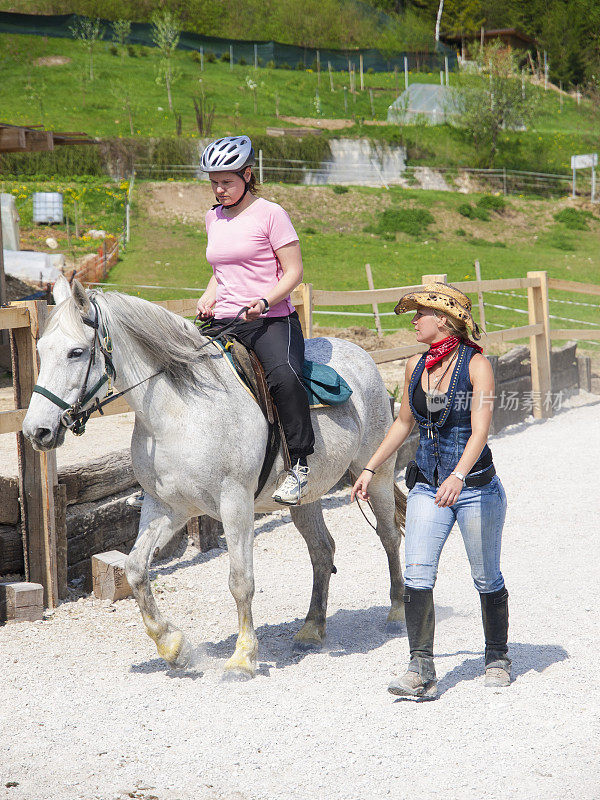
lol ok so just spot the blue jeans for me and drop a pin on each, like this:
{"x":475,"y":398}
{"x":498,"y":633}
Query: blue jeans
{"x":480,"y":513}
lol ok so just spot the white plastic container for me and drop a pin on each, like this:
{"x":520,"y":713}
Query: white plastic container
{"x":47,"y":207}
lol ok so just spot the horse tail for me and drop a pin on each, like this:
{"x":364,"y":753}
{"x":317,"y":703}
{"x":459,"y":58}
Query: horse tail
{"x":400,"y":503}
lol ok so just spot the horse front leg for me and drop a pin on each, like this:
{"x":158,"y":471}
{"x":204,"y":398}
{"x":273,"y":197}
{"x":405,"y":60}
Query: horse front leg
{"x":238,"y":524}
{"x":157,"y":526}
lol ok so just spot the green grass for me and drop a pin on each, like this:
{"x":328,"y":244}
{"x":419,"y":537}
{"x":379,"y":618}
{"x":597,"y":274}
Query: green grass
{"x":59,"y":97}
{"x":172,"y":255}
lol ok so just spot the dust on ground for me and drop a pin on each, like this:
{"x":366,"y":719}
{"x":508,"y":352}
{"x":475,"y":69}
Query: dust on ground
{"x":51,"y":61}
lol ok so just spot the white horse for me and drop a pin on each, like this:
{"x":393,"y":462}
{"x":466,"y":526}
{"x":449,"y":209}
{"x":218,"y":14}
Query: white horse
{"x":198,"y":446}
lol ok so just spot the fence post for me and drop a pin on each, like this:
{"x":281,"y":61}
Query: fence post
{"x":302,"y":298}
{"x":37,"y":470}
{"x":442,"y":277}
{"x":260,"y":167}
{"x":480,"y":295}
{"x":374,"y":305}
{"x":539,"y":345}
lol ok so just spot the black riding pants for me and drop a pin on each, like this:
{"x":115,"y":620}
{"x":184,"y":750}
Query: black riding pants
{"x":279,"y":344}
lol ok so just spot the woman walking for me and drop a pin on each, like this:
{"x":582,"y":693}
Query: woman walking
{"x":449,"y":392}
{"x":255,"y":256}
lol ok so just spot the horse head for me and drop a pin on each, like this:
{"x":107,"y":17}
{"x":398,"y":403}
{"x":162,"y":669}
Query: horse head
{"x":71,"y":364}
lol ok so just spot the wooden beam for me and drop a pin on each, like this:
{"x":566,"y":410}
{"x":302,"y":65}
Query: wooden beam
{"x":574,"y":333}
{"x":12,"y":140}
{"x":395,"y":353}
{"x":15,"y":316}
{"x":38,"y":141}
{"x":12,"y":421}
{"x":573,"y":286}
{"x":37,"y":470}
{"x":539,"y":346}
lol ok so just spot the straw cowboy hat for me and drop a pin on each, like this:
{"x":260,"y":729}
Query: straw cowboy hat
{"x":442,"y":297}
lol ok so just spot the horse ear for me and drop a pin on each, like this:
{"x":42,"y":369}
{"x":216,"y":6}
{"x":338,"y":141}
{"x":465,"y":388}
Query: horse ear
{"x":80,"y":296}
{"x":61,"y":289}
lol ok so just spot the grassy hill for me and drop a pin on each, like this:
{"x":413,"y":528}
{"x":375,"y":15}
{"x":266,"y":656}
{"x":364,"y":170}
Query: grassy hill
{"x":37,"y":88}
{"x":338,"y":237}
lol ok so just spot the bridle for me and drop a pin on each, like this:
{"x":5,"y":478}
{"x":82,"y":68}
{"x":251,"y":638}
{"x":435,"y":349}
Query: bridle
{"x":76,"y":415}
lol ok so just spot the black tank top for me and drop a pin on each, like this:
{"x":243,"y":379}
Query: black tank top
{"x":420,"y":403}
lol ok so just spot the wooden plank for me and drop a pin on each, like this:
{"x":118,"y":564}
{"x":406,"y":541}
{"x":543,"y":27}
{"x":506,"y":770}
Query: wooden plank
{"x":38,"y":141}
{"x":11,"y":551}
{"x":472,"y":287}
{"x":573,"y":286}
{"x":12,"y":140}
{"x":9,"y":500}
{"x":14,"y":317}
{"x":438,"y":277}
{"x":510,"y":334}
{"x":302,"y":300}
{"x":361,"y":297}
{"x":395,"y":353}
{"x":37,"y":470}
{"x":539,"y":346}
{"x":12,"y":421}
{"x":574,"y":333}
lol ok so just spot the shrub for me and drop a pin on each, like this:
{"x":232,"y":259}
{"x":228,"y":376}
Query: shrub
{"x":300,"y":65}
{"x":144,"y":51}
{"x":413,"y":221}
{"x":460,"y":232}
{"x":113,"y":50}
{"x":471,"y":212}
{"x":131,"y":51}
{"x":484,"y":242}
{"x":492,"y":202}
{"x":340,"y":189}
{"x":242,"y":62}
{"x":573,"y":218}
{"x":561,"y":240}
{"x":225,"y":56}
{"x":210,"y":57}
{"x":260,"y":61}
{"x":309,"y":230}
{"x":271,"y":64}
{"x":315,"y":65}
{"x":284,"y":65}
{"x":196,"y":57}
{"x":370,"y":71}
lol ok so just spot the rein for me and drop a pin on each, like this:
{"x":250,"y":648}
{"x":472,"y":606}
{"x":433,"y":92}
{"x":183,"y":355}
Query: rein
{"x":75,"y":416}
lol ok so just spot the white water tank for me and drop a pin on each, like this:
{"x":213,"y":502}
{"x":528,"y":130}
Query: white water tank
{"x":47,"y":207}
{"x":10,"y":222}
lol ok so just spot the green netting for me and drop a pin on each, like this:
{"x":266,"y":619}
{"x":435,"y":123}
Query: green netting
{"x":281,"y":54}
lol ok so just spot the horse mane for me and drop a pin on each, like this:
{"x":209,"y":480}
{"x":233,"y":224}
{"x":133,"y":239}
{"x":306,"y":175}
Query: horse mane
{"x":170,"y":342}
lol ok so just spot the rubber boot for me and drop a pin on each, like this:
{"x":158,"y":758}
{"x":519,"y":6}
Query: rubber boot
{"x":494,"y":614}
{"x":419,"y":681}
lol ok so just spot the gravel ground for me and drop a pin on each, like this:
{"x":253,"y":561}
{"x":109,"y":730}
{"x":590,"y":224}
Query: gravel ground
{"x":89,"y":712}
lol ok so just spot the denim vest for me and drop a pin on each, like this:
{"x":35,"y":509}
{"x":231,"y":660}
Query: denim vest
{"x":442,"y":443}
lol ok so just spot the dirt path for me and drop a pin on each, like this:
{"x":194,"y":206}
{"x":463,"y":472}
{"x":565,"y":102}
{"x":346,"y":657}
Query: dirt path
{"x":90,"y":713}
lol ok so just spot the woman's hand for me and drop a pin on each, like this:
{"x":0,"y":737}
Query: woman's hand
{"x":255,"y":309}
{"x":449,"y":491}
{"x":361,"y":486}
{"x":205,"y":308}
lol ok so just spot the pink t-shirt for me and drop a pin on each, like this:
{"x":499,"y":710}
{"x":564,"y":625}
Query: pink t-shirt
{"x":241,"y":253}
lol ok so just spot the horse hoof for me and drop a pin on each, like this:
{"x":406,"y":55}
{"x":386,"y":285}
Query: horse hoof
{"x":307,"y":646}
{"x":236,"y":676}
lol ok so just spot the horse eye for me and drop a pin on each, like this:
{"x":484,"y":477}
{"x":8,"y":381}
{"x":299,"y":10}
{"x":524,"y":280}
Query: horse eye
{"x":75,"y":353}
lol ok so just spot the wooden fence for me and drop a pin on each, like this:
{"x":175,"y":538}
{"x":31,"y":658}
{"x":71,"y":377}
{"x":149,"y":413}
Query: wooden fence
{"x":38,"y":483}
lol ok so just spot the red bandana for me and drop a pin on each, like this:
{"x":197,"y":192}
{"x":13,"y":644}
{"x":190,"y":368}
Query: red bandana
{"x":438,"y":350}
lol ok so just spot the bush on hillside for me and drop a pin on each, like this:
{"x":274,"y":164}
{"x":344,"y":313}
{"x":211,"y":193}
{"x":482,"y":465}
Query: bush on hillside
{"x":573,"y":218}
{"x":131,"y":51}
{"x":300,"y":65}
{"x":473,"y":212}
{"x":340,"y":189}
{"x":284,"y":65}
{"x":113,"y":50}
{"x":270,"y":64}
{"x":210,"y":57}
{"x":413,"y":221}
{"x":492,"y":202}
{"x":242,"y":62}
{"x":225,"y":56}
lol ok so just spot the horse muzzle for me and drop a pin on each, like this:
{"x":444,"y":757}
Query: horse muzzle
{"x":43,"y":438}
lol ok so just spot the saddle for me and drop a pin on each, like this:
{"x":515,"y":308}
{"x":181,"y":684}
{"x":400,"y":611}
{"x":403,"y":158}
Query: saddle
{"x":252,"y":373}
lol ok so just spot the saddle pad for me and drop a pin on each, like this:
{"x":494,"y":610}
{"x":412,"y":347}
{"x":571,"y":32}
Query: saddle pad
{"x":324,"y":386}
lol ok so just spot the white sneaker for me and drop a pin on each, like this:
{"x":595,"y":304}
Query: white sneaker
{"x":294,"y":486}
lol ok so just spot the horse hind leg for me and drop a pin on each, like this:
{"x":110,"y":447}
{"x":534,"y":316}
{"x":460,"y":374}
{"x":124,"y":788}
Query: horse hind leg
{"x":308,"y":519}
{"x":157,"y":525}
{"x":382,"y":498}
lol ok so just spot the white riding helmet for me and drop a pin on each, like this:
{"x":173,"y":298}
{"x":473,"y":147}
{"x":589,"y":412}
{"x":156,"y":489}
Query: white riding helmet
{"x":230,"y":154}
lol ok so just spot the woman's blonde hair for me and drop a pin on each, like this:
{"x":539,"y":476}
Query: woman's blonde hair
{"x":456,"y":327}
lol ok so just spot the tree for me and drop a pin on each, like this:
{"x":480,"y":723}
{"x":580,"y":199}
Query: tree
{"x":87,"y":31}
{"x":496,"y":101}
{"x":121,"y":28}
{"x":165,"y":35}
